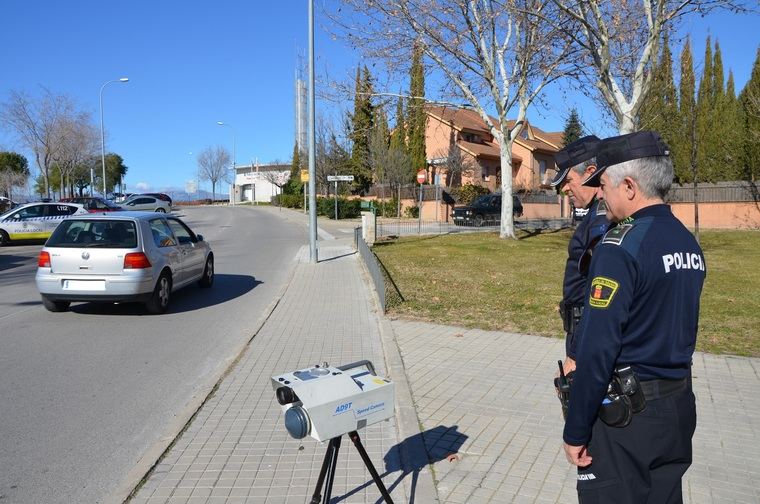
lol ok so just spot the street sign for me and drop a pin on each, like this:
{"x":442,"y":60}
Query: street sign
{"x":421,"y":176}
{"x":304,"y":175}
{"x":340,"y":178}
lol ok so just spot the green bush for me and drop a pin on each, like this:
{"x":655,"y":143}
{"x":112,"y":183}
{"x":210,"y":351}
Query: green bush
{"x":387,"y":208}
{"x":288,"y":200}
{"x":347,"y":209}
{"x":412,"y":211}
{"x":468,"y":192}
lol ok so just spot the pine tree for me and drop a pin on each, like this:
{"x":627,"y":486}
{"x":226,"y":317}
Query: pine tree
{"x":398,"y":137}
{"x":417,"y":118}
{"x":361,"y":126}
{"x":682,"y":145}
{"x":573,"y":129}
{"x":660,"y":109}
{"x":750,"y":110}
{"x":733,"y":132}
{"x":705,"y":127}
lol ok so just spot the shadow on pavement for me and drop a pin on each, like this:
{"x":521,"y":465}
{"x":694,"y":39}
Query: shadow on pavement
{"x":413,"y":454}
{"x":12,"y":261}
{"x":191,"y":297}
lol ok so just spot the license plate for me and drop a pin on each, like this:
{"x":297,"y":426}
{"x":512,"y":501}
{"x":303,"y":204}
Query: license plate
{"x":90,"y":285}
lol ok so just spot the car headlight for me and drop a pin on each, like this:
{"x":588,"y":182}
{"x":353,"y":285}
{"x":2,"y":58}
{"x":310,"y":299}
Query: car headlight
{"x":468,"y":212}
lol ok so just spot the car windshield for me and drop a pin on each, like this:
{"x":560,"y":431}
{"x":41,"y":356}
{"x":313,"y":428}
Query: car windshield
{"x":481,"y":200}
{"x":89,"y":233}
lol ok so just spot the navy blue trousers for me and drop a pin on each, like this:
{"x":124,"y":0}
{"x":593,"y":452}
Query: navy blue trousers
{"x":642,"y":463}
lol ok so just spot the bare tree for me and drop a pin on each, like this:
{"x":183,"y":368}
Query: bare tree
{"x":496,"y":55}
{"x":213,"y":165}
{"x":37,"y":123}
{"x":619,"y":40}
{"x":78,"y":142}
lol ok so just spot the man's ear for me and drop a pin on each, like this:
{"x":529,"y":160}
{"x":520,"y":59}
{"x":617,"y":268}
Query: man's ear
{"x":631,"y":187}
{"x":589,"y":170}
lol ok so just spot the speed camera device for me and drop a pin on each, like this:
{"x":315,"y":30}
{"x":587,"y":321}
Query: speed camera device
{"x":325,"y":402}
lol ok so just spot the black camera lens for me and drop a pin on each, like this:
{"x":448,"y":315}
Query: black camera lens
{"x":285,"y":395}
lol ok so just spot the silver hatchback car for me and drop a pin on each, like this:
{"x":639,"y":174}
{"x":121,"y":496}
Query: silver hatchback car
{"x":121,"y":257}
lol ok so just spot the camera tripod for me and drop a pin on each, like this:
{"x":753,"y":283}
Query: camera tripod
{"x":328,"y":470}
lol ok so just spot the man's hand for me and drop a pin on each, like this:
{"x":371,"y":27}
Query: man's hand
{"x":567,"y":366}
{"x":577,"y":455}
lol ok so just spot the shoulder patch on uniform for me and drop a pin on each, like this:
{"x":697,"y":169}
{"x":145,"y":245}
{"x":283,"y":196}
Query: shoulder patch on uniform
{"x":603,"y":289}
{"x":601,"y":208}
{"x":616,"y":234}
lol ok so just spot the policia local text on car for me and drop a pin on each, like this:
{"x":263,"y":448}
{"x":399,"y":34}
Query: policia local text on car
{"x":631,"y":413}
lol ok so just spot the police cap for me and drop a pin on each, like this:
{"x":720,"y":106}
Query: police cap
{"x":616,"y":150}
{"x":575,"y":153}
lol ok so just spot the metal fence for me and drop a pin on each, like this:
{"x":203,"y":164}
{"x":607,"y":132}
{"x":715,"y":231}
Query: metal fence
{"x":376,"y":271}
{"x":715,"y":193}
{"x":409,"y":227}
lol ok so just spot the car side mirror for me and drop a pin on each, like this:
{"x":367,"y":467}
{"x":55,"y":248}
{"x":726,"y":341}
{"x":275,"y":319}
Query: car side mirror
{"x":199,"y":237}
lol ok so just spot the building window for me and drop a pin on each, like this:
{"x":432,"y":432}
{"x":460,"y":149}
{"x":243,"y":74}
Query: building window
{"x":524,"y":133}
{"x":471,"y":137}
{"x":541,"y":169}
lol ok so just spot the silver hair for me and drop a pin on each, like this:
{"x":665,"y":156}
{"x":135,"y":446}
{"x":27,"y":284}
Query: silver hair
{"x":653,"y":174}
{"x":580,"y":168}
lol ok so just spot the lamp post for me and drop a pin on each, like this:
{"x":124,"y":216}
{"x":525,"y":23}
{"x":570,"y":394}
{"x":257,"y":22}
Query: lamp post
{"x":103,"y":137}
{"x":234,"y":171}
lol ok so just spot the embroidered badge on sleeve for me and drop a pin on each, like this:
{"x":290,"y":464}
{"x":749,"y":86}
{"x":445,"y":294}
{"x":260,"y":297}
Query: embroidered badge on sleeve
{"x":602,"y":291}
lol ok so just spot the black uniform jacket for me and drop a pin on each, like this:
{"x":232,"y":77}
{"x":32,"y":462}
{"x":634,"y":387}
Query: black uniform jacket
{"x":641,"y":309}
{"x":591,"y":229}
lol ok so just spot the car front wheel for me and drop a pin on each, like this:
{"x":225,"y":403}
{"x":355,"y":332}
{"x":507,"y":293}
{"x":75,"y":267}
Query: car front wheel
{"x":159,"y":300}
{"x":207,"y":280}
{"x":478,"y":221}
{"x":4,"y":238}
{"x":55,"y":306}
{"x":160,"y":210}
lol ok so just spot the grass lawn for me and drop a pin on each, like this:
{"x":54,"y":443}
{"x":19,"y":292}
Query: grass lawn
{"x":478,"y":280}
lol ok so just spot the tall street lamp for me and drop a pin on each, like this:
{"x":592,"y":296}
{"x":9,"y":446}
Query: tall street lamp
{"x":102,"y":134}
{"x":234,"y":171}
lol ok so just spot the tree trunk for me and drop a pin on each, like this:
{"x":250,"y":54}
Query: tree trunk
{"x":507,"y":228}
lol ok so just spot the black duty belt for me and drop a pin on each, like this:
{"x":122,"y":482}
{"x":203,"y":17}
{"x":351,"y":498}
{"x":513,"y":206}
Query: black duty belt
{"x":659,"y":389}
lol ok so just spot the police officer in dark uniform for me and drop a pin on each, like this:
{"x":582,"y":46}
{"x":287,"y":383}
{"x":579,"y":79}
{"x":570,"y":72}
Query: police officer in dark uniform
{"x":575,"y":163}
{"x":631,"y":413}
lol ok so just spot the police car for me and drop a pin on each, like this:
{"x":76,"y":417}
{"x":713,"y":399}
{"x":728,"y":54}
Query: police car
{"x":35,"y":221}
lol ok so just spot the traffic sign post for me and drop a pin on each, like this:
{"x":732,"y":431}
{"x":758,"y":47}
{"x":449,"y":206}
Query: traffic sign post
{"x":335,"y":179}
{"x":421,"y":177}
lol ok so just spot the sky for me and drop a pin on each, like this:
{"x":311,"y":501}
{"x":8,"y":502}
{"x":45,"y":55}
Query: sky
{"x":191,"y":64}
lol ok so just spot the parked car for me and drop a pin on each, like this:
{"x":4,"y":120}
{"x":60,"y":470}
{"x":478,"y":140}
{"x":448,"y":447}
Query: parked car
{"x":94,"y":204}
{"x":160,"y":196}
{"x":35,"y":221}
{"x":146,"y":203}
{"x":122,"y":257}
{"x":484,"y":211}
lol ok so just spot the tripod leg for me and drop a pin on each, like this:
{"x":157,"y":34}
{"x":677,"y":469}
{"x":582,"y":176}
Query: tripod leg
{"x":331,"y":470}
{"x":367,"y":462}
{"x":323,"y":471}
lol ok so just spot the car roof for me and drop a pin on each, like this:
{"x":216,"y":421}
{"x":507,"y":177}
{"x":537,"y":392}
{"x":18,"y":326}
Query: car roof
{"x":124,"y":215}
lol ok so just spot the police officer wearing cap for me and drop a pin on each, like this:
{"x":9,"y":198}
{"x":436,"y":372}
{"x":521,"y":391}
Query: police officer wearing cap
{"x":577,"y":162}
{"x":631,"y":414}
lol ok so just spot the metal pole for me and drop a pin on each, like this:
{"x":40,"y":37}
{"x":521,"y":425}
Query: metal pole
{"x":336,"y":199}
{"x":103,"y":137}
{"x":419,"y":213}
{"x":312,"y":165}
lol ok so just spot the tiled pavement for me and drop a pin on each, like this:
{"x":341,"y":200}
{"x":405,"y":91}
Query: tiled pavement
{"x":484,"y":396}
{"x":493,"y":393}
{"x":236,"y":449}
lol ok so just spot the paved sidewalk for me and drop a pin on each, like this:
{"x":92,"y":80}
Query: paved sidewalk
{"x":493,"y":393}
{"x":236,"y":449}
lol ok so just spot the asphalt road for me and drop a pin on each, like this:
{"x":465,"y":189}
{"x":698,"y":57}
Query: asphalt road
{"x":84,"y":393}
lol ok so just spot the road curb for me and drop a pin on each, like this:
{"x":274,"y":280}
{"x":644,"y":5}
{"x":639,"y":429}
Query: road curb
{"x":156,"y":452}
{"x":414,"y":457}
